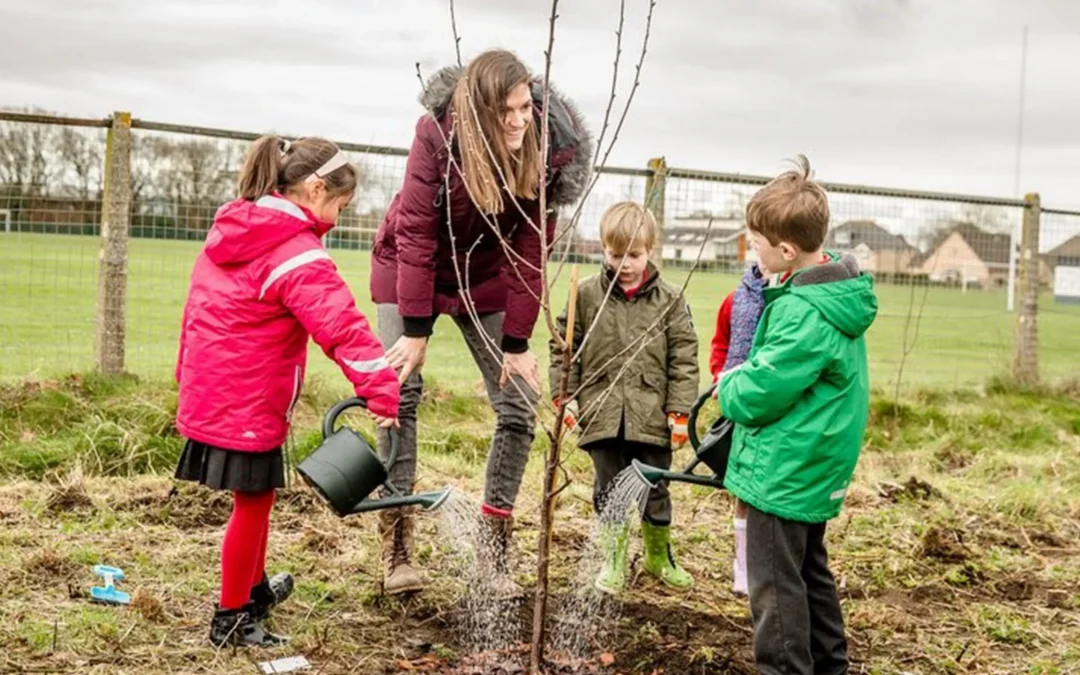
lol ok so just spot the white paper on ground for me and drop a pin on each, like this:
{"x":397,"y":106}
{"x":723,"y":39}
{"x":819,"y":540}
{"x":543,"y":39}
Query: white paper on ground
{"x":289,"y":665}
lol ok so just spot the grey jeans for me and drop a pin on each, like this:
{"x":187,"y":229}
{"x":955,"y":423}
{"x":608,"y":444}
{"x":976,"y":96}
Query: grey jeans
{"x":514,"y":423}
{"x":798,"y":625}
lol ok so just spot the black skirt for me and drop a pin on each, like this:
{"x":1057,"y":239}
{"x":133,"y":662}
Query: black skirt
{"x":233,"y":470}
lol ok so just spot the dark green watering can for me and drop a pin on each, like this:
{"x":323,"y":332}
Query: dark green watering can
{"x":713,"y":451}
{"x":345,"y":470}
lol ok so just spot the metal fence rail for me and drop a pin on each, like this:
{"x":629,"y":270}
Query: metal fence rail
{"x":102,"y":218}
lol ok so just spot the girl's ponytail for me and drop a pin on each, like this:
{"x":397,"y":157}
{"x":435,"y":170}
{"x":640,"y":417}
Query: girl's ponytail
{"x":262,"y":171}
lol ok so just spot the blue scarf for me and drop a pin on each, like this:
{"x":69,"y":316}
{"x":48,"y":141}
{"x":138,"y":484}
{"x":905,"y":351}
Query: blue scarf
{"x":746,"y":309}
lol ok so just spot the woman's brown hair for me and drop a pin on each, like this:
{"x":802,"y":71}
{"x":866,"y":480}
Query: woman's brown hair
{"x":274,"y":165}
{"x":480,"y":95}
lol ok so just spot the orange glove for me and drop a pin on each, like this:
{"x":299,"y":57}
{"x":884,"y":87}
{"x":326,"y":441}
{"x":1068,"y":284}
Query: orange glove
{"x":679,"y":425}
{"x":570,"y":414}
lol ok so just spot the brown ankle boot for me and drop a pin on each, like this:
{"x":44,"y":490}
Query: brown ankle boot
{"x":495,"y":557}
{"x":396,"y":535}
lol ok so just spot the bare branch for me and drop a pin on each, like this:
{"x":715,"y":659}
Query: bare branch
{"x":465,"y":289}
{"x":611,"y":287}
{"x":907,"y":347}
{"x":463,"y":284}
{"x":614,"y":80}
{"x":571,"y":228}
{"x":634,"y":87}
{"x":625,"y":111}
{"x":639,"y":343}
{"x":554,"y":481}
{"x":498,"y":168}
{"x":488,"y":220}
{"x":536,"y":656}
{"x":510,"y":252}
{"x":545,"y":142}
{"x":457,"y":39}
{"x":513,"y":256}
{"x":576,"y":217}
{"x":566,"y":482}
{"x":470,"y":306}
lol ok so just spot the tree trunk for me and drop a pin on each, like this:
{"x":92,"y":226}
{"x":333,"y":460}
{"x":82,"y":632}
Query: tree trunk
{"x":550,"y":494}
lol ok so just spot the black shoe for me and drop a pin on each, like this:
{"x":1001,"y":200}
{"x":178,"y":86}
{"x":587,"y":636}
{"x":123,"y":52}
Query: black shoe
{"x":270,"y":593}
{"x":239,"y":628}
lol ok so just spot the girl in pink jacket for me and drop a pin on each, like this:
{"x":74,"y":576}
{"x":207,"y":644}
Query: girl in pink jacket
{"x":262,"y":284}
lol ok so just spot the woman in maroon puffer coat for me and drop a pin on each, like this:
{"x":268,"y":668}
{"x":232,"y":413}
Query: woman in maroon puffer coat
{"x":452,"y":199}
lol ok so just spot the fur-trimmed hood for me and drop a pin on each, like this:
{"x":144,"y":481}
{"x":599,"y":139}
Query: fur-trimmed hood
{"x":571,"y":151}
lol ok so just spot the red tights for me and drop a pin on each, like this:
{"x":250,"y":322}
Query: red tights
{"x":243,"y":553}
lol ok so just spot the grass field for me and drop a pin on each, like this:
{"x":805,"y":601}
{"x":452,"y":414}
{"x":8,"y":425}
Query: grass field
{"x":48,"y":285}
{"x":956,"y":551}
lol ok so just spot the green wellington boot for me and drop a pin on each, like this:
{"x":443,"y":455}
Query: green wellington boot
{"x":660,"y":561}
{"x":615,"y":545}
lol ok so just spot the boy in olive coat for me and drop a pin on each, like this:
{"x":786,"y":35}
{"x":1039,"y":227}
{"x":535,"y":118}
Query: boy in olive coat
{"x":638,"y":379}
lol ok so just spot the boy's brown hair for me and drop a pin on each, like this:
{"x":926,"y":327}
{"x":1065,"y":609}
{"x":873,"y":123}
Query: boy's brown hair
{"x":625,"y":223}
{"x":792,"y":207}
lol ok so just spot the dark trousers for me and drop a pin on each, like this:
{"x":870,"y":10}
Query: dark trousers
{"x":798,"y":624}
{"x":610,"y":457}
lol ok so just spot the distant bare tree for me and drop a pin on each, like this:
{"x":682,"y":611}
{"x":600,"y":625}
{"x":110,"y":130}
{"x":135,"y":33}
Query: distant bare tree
{"x":84,"y":156}
{"x":992,"y":219}
{"x":201,"y":171}
{"x":24,"y":150}
{"x":148,"y":164}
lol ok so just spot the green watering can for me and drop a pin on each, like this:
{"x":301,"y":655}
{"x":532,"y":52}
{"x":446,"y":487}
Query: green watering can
{"x":713,"y":451}
{"x":346,"y":469}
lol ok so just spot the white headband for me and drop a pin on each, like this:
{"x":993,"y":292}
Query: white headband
{"x":333,"y":164}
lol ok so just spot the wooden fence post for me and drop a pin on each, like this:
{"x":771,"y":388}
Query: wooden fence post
{"x":1026,"y":361}
{"x":112,"y":259}
{"x":655,"y":186}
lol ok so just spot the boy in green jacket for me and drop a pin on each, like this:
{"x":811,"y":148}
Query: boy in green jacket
{"x":638,"y":376}
{"x":800,"y":405}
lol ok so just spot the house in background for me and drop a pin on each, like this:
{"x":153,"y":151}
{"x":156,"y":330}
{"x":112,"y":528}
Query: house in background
{"x":1064,"y":259}
{"x":685,"y":236}
{"x":1066,"y":253}
{"x":717,"y":245}
{"x":877,"y":250}
{"x":965,"y":254}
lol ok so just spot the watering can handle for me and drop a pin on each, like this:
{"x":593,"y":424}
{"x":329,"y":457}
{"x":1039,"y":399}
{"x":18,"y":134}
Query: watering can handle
{"x":356,"y":402}
{"x":691,"y":425}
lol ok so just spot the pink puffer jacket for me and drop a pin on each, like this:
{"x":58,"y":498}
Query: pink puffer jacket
{"x":262,"y":284}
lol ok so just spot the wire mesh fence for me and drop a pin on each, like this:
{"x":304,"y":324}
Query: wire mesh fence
{"x":945,"y":266}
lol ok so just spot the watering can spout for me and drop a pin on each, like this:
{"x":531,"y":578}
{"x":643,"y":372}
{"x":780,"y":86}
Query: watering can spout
{"x":651,"y":476}
{"x":428,"y":500}
{"x":712,"y":451}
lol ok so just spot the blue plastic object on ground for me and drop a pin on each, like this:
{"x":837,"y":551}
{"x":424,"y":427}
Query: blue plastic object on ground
{"x":108,"y":593}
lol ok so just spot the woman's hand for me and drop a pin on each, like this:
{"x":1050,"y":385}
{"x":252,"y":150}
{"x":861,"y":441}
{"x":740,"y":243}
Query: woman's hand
{"x":407,"y":355}
{"x":523,"y":364}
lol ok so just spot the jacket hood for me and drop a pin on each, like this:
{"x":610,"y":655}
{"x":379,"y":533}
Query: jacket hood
{"x":245,"y":230}
{"x":571,"y":151}
{"x":841,"y":292}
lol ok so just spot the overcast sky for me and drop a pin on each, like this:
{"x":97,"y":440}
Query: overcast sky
{"x":905,"y":93}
